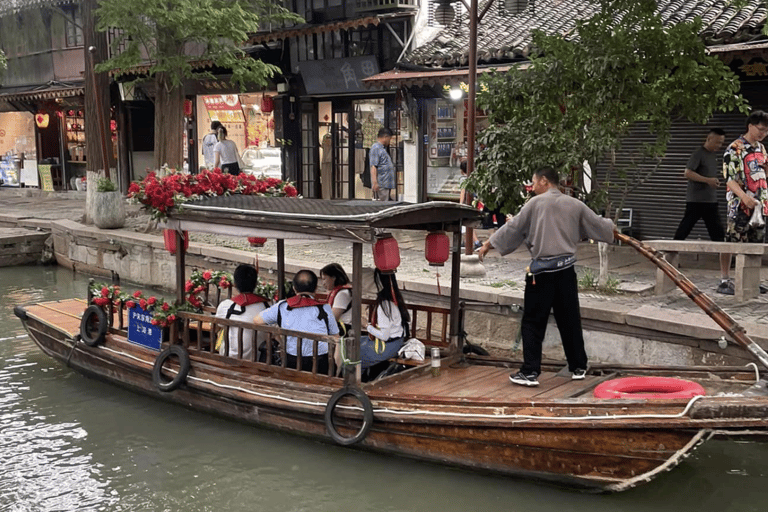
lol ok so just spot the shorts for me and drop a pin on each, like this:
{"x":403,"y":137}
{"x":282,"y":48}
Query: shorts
{"x":739,"y":230}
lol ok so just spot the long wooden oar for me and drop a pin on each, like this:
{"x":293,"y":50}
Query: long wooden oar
{"x":723,"y":319}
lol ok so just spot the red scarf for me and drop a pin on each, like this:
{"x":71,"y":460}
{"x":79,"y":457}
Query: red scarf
{"x":303,"y":301}
{"x":246,"y":299}
{"x":335,"y":291}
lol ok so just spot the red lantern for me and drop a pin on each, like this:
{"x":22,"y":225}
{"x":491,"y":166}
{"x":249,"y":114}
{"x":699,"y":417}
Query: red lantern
{"x":169,"y":237}
{"x":188,"y":108}
{"x":436,"y":248}
{"x":386,"y":253}
{"x":267,"y":105}
{"x":256,"y":241}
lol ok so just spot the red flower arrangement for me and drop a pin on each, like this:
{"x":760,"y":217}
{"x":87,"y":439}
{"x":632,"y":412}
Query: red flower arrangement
{"x":163,"y":313}
{"x":161,"y":194}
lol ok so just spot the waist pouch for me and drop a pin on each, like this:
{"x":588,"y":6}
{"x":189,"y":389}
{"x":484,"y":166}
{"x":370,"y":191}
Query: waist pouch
{"x":551,"y":264}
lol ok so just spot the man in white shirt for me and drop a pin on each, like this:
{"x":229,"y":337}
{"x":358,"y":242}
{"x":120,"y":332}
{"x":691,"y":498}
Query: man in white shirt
{"x":209,"y":141}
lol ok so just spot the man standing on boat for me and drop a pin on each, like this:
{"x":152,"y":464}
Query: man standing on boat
{"x":744,"y":165}
{"x":303,"y":313}
{"x":551,"y":225}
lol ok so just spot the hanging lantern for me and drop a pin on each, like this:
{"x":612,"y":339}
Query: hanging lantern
{"x":256,"y":241}
{"x":267,"y":104}
{"x":444,"y":14}
{"x":169,"y":237}
{"x":437,"y":248}
{"x":386,"y":253}
{"x":42,"y":120}
{"x":513,"y":7}
{"x":188,"y":108}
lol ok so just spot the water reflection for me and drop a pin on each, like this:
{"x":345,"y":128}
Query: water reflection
{"x":70,"y":443}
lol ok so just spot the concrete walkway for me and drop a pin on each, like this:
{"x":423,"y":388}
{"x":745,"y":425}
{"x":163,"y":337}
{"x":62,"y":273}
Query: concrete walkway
{"x":632,"y":302}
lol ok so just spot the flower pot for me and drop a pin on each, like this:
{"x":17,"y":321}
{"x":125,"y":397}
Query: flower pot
{"x":108,"y":210}
{"x":169,"y":237}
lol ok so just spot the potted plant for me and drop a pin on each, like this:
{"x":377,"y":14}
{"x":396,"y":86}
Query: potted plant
{"x":108,"y":205}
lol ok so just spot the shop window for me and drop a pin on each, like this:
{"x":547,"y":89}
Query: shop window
{"x":73,"y":26}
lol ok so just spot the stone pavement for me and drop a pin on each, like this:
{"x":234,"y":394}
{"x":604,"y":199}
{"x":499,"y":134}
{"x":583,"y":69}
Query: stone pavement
{"x":632,"y":274}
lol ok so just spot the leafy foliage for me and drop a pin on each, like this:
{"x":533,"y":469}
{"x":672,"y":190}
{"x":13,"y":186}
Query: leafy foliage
{"x":582,"y":93}
{"x":105,"y":185}
{"x":171,"y":34}
{"x":3,"y":65}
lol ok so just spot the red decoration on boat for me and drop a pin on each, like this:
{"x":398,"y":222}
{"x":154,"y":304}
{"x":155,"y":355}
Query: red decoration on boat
{"x":648,"y":387}
{"x":437,"y":248}
{"x":267,"y":104}
{"x":256,"y":241}
{"x":386,"y":253}
{"x":169,"y":237}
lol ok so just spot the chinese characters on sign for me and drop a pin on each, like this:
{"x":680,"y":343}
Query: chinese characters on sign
{"x":337,"y":75}
{"x":141,"y":331}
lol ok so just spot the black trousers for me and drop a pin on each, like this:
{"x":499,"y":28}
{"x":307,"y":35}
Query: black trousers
{"x":556,"y":291}
{"x":306,"y":363}
{"x":696,"y":211}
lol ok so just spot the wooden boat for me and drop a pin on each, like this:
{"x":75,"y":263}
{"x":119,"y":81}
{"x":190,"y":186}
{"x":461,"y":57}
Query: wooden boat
{"x":469,"y":415}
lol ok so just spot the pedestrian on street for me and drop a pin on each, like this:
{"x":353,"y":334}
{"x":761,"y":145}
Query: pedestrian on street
{"x":551,"y":224}
{"x":744,"y":170}
{"x":209,"y":142}
{"x":226,"y":154}
{"x":382,"y":168}
{"x":701,"y":171}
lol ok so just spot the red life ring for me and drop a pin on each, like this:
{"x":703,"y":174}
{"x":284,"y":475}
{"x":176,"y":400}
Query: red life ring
{"x":648,"y":387}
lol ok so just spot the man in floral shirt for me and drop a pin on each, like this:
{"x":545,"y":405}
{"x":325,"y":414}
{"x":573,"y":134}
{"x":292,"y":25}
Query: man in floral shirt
{"x":744,"y":171}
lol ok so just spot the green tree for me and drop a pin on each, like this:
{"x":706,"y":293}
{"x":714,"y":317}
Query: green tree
{"x":583,"y":92}
{"x":170,"y":36}
{"x":3,"y":65}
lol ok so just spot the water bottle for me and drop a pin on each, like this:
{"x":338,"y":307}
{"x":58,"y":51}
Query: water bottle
{"x":435,"y":361}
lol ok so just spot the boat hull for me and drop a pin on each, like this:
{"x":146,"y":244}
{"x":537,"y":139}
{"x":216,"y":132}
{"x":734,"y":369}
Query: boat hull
{"x":560,"y":442}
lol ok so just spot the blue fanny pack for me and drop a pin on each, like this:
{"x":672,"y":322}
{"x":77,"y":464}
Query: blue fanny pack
{"x":551,"y":264}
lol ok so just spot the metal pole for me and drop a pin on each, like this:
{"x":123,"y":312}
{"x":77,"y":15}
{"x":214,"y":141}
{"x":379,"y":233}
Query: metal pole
{"x":102,"y":135}
{"x":471,"y":93}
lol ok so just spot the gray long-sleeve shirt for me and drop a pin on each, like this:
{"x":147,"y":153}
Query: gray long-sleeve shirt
{"x":551,"y":225}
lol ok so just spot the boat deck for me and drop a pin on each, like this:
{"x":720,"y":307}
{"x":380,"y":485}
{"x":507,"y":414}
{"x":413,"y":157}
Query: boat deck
{"x":487,"y":382}
{"x":65,"y":315}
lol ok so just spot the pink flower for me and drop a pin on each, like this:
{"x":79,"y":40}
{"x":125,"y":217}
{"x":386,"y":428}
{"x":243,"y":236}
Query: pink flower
{"x":105,"y":292}
{"x":207,"y":275}
{"x":137,"y":294}
{"x":165,"y":306}
{"x":188,"y":286}
{"x":151,"y":301}
{"x":130,"y":304}
{"x":143,"y":303}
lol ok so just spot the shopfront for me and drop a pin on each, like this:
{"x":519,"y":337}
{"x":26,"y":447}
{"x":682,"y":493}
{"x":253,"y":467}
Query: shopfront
{"x":18,"y":154}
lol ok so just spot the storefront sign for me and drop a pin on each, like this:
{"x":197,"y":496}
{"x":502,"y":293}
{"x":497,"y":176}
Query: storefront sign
{"x":337,"y":75}
{"x":224,"y":107}
{"x":45,"y":177}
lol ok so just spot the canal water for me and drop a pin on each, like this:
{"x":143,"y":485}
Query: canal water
{"x":70,"y":443}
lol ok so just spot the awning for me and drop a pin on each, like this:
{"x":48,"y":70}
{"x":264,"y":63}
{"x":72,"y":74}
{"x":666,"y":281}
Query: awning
{"x":302,"y":30}
{"x":401,"y":78}
{"x":38,"y":93}
{"x":738,"y":47}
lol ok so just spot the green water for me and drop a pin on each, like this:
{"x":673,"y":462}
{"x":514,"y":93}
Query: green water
{"x":71,"y":443}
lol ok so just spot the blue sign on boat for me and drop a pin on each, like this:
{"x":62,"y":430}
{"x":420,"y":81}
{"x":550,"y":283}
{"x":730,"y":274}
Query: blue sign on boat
{"x":141,"y":331}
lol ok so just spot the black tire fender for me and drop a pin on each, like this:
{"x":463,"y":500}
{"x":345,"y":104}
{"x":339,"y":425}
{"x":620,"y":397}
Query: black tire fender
{"x":180,"y":378}
{"x":20,"y":312}
{"x":367,"y":415}
{"x":93,"y":314}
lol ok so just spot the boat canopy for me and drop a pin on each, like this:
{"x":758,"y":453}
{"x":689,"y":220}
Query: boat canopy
{"x":290,"y":217}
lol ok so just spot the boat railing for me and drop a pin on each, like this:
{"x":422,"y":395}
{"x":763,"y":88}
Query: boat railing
{"x":198,"y":332}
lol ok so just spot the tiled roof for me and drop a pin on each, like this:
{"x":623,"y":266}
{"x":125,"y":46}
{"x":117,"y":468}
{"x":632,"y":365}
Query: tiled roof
{"x":504,"y":38}
{"x":11,"y":6}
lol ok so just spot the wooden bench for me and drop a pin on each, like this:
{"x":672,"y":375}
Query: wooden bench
{"x":748,"y":260}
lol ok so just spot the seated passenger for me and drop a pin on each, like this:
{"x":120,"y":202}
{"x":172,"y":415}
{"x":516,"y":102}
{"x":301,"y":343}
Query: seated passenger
{"x":303,"y":313}
{"x":388,"y":326}
{"x":339,"y":289}
{"x":243,"y":306}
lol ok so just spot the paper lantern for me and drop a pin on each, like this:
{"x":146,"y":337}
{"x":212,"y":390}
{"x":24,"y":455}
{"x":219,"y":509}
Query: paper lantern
{"x":42,"y":120}
{"x":437,"y":248}
{"x":267,"y":104}
{"x":386,"y":253}
{"x":188,"y":108}
{"x":256,"y":241}
{"x":169,"y":237}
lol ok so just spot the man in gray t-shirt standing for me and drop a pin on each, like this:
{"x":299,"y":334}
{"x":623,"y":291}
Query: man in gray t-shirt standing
{"x":702,"y":172}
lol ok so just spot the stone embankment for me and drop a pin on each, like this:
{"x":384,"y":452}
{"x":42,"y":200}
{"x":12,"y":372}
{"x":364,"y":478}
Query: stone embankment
{"x":628,"y":325}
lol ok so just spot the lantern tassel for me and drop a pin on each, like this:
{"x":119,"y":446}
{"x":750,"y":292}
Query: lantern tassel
{"x":437,"y":277}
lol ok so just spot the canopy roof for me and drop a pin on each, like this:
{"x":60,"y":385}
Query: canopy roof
{"x":286,"y":217}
